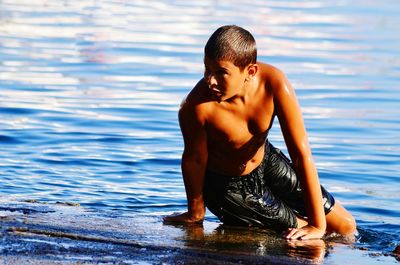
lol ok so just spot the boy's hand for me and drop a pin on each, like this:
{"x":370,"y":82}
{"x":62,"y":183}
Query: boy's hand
{"x":183,"y":218}
{"x":304,"y":233}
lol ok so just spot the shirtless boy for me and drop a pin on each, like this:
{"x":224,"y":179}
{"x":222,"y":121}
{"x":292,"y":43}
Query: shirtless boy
{"x":229,"y":166}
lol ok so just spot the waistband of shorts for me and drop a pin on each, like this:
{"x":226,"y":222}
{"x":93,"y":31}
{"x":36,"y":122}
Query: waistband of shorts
{"x":243,"y":177}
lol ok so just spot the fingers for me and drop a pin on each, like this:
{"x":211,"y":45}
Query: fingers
{"x":183,"y":218}
{"x":294,"y":233}
{"x":175,"y":218}
{"x":303,"y":233}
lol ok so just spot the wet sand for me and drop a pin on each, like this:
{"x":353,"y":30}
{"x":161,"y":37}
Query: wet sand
{"x":38,"y":233}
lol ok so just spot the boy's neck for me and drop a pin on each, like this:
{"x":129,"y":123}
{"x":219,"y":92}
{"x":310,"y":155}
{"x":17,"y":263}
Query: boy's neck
{"x":244,"y":96}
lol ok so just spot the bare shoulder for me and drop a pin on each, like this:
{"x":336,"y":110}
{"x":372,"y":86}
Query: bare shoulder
{"x":274,"y":78}
{"x":195,"y":105}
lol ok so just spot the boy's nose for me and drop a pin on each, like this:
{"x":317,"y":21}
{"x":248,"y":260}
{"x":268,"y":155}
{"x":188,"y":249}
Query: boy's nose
{"x":211,"y":80}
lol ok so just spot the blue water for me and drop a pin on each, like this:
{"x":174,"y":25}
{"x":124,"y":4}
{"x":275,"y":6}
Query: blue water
{"x":89,"y":93}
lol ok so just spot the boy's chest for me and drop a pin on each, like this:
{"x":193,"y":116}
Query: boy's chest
{"x":235,"y":129}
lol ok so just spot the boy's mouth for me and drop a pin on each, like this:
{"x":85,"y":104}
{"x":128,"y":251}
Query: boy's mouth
{"x":216,"y":92}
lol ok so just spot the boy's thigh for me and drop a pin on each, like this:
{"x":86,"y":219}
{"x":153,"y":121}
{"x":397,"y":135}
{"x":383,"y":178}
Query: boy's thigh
{"x":265,"y":211}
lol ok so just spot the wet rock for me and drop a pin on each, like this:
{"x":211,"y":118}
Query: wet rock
{"x":396,"y":251}
{"x":68,"y":203}
{"x":54,"y":232}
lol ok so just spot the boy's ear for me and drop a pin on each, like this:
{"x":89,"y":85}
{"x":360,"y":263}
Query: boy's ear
{"x":252,"y":70}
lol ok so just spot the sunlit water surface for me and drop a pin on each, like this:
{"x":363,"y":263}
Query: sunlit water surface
{"x":89,"y":93}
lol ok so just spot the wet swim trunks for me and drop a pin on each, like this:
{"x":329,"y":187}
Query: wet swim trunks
{"x":270,"y":196}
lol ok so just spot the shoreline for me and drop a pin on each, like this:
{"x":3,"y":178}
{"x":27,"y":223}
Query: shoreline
{"x":38,"y":233}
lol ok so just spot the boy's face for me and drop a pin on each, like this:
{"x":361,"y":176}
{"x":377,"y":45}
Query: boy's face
{"x":224,"y":79}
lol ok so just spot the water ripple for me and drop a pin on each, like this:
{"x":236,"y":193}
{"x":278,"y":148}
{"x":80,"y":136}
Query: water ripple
{"x":89,"y":94}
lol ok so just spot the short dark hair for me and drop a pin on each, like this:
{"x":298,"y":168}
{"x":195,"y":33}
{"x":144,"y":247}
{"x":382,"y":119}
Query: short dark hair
{"x":232,"y":43}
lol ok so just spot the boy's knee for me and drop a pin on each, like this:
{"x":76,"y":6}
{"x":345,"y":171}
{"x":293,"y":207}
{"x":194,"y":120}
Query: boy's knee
{"x":339,"y":220}
{"x":347,"y":226}
{"x":351,"y":225}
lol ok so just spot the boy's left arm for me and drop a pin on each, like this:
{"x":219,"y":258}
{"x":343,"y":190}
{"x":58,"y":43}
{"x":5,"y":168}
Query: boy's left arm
{"x":292,"y":125}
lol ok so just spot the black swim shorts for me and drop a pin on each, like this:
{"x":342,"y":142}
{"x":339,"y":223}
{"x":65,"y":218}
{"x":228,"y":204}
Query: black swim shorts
{"x":270,"y":196}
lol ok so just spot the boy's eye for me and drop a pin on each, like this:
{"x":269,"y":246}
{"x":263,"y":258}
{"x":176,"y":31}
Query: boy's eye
{"x":221,"y":72}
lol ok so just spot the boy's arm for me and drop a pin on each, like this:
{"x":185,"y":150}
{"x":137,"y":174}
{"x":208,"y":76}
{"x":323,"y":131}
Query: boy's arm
{"x":194,"y":163}
{"x":289,"y":114}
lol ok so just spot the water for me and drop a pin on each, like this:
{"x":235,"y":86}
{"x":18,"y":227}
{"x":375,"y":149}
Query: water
{"x":89,"y":93}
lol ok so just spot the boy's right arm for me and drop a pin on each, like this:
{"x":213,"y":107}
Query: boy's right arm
{"x":194,"y":163}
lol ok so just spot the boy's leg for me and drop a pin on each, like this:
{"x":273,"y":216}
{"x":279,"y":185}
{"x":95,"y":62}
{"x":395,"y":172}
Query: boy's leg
{"x":339,"y":220}
{"x":263,"y":210}
{"x":281,"y":178}
{"x":246,"y":201}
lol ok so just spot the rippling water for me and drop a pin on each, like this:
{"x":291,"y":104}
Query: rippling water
{"x":89,"y":93}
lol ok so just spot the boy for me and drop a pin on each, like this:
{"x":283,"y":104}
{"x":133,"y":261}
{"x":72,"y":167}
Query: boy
{"x":228,"y":164}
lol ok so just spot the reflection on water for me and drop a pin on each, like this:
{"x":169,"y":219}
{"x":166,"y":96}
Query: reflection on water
{"x":313,"y":250}
{"x":89,"y":93}
{"x":258,"y":241}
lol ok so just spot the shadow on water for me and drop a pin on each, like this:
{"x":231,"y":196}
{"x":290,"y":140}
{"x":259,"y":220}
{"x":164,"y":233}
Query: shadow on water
{"x":69,"y":233}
